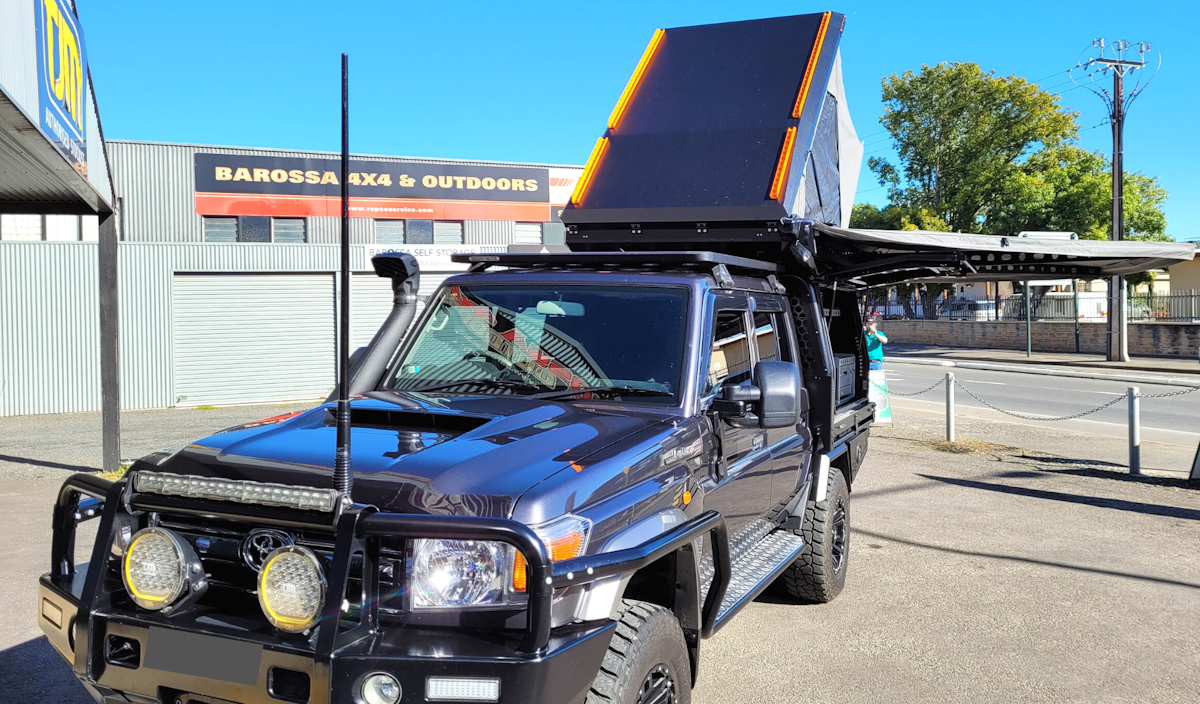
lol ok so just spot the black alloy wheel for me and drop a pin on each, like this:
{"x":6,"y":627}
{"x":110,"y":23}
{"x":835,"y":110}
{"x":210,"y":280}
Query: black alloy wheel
{"x":658,"y":687}
{"x":838,"y":534}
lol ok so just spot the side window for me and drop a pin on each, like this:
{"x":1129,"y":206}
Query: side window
{"x":730,"y":358}
{"x":771,"y":333}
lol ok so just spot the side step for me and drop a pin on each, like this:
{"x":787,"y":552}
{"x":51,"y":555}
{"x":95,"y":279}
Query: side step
{"x":752,"y":572}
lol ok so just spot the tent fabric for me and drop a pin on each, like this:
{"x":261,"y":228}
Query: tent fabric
{"x":992,"y":257}
{"x":823,"y":200}
{"x":850,"y":147}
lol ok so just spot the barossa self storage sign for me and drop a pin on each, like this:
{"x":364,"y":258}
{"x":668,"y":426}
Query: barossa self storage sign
{"x":230,"y":184}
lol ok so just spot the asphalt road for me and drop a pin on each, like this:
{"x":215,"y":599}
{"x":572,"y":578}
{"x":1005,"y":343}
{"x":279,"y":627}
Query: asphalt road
{"x":1050,"y":396}
{"x":995,"y":577}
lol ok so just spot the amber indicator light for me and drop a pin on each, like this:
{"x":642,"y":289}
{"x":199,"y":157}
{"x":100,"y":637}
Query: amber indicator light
{"x":812,"y":65}
{"x":590,"y":170}
{"x":636,"y":78}
{"x":785,"y":162}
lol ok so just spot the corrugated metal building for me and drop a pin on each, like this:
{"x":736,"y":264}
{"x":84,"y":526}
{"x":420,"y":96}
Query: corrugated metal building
{"x":227,"y":269}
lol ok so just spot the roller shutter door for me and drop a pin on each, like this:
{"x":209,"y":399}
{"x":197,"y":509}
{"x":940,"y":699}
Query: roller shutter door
{"x":249,"y":338}
{"x":371,"y":301}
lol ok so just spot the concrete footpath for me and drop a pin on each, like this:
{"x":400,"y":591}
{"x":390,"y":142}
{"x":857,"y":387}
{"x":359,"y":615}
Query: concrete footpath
{"x":1169,"y":366}
{"x":991,"y":575}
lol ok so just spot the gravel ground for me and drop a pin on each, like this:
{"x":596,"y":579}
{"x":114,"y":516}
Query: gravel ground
{"x":994,"y":575}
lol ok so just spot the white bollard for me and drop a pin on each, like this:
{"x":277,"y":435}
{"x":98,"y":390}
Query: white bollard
{"x":1135,"y":431}
{"x":949,"y":406}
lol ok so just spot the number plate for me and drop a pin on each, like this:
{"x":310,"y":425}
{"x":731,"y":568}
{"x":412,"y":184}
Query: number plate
{"x":198,"y":655}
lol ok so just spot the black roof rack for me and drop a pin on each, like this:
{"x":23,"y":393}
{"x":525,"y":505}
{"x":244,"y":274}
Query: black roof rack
{"x":616,"y":260}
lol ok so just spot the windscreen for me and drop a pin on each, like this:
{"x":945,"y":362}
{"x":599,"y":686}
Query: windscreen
{"x":530,"y":340}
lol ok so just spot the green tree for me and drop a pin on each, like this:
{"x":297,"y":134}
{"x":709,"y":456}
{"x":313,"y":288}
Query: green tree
{"x":962,"y":135}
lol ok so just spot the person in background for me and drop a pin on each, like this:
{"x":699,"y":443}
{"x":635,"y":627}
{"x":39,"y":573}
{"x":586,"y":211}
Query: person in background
{"x":875,"y":342}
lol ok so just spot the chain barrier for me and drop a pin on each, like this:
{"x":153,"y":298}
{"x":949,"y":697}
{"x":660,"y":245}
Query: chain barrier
{"x":922,"y":391}
{"x":1026,"y":416}
{"x":1169,"y":393}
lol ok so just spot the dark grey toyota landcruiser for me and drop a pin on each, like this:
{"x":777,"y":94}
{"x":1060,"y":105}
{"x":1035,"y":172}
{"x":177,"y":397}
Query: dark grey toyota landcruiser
{"x":572,"y":467}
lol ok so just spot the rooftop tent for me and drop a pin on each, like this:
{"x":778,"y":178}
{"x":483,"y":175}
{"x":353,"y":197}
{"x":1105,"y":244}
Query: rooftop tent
{"x":878,"y":257}
{"x":731,"y":127}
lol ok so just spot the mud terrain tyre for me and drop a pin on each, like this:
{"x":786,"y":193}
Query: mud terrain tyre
{"x":819,"y":574}
{"x":647,"y":660}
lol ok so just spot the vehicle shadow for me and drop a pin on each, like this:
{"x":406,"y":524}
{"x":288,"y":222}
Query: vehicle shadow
{"x":1099,"y":502}
{"x":1098,"y":470}
{"x":33,"y":672}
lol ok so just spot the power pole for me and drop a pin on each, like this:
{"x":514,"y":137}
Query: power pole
{"x":1114,"y":58}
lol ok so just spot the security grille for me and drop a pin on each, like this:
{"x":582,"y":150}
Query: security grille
{"x":288,"y":230}
{"x":527,"y":233}
{"x":389,"y":231}
{"x":220,"y":230}
{"x":447,"y":233}
{"x":247,"y":338}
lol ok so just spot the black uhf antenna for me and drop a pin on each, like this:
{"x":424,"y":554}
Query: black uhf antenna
{"x":343,"y":474}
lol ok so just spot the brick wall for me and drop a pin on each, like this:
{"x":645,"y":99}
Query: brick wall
{"x":1154,"y":339}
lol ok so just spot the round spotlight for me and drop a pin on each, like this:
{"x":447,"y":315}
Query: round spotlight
{"x":291,"y":588}
{"x":155,"y":568}
{"x":380,"y":688}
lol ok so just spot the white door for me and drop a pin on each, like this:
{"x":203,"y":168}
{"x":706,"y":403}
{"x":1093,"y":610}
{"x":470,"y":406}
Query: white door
{"x":250,"y":338}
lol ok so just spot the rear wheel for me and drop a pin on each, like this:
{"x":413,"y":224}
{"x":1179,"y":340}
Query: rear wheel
{"x":819,"y":574}
{"x":647,"y":660}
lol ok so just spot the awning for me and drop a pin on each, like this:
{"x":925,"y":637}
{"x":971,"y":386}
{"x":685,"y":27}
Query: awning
{"x":877,"y":257}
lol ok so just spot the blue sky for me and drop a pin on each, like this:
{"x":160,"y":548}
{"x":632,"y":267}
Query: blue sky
{"x":536,"y":81}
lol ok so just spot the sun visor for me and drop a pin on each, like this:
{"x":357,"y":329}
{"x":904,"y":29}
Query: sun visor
{"x":718,"y":125}
{"x":878,"y":257}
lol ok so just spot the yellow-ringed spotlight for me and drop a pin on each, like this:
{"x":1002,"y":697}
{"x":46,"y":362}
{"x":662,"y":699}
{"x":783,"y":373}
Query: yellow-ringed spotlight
{"x":291,"y":588}
{"x":155,"y":568}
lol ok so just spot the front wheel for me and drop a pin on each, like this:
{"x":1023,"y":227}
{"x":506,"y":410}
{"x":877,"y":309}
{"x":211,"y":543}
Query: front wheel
{"x":647,"y":660}
{"x":819,"y":574}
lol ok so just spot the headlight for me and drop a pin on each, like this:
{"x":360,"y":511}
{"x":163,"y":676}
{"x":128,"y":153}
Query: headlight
{"x":156,"y":568}
{"x":291,"y":588}
{"x":458,"y":573}
{"x":467,"y":573}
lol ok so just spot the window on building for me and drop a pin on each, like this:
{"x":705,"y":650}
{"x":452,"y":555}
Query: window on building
{"x":389,"y":232}
{"x":62,"y":228}
{"x":20,"y":228}
{"x":447,"y":233}
{"x":288,"y":230}
{"x":254,"y":228}
{"x":89,"y":228}
{"x":527,"y":233}
{"x":220,"y":229}
{"x":418,"y":231}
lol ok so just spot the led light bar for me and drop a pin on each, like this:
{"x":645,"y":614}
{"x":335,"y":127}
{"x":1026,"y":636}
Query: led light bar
{"x":241,"y":491}
{"x":462,"y":689}
{"x":812,"y":65}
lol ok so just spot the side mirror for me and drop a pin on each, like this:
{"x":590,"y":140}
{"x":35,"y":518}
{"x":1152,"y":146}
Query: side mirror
{"x":779,"y":386}
{"x":774,"y":398}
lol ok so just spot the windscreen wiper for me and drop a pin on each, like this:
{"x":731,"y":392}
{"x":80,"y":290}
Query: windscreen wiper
{"x":610,"y":391}
{"x":518,"y":386}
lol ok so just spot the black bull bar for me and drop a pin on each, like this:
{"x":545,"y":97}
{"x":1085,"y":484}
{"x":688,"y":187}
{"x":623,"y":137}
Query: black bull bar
{"x":358,"y":530}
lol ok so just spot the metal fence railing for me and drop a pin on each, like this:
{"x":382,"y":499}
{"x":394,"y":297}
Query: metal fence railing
{"x":1176,"y":306}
